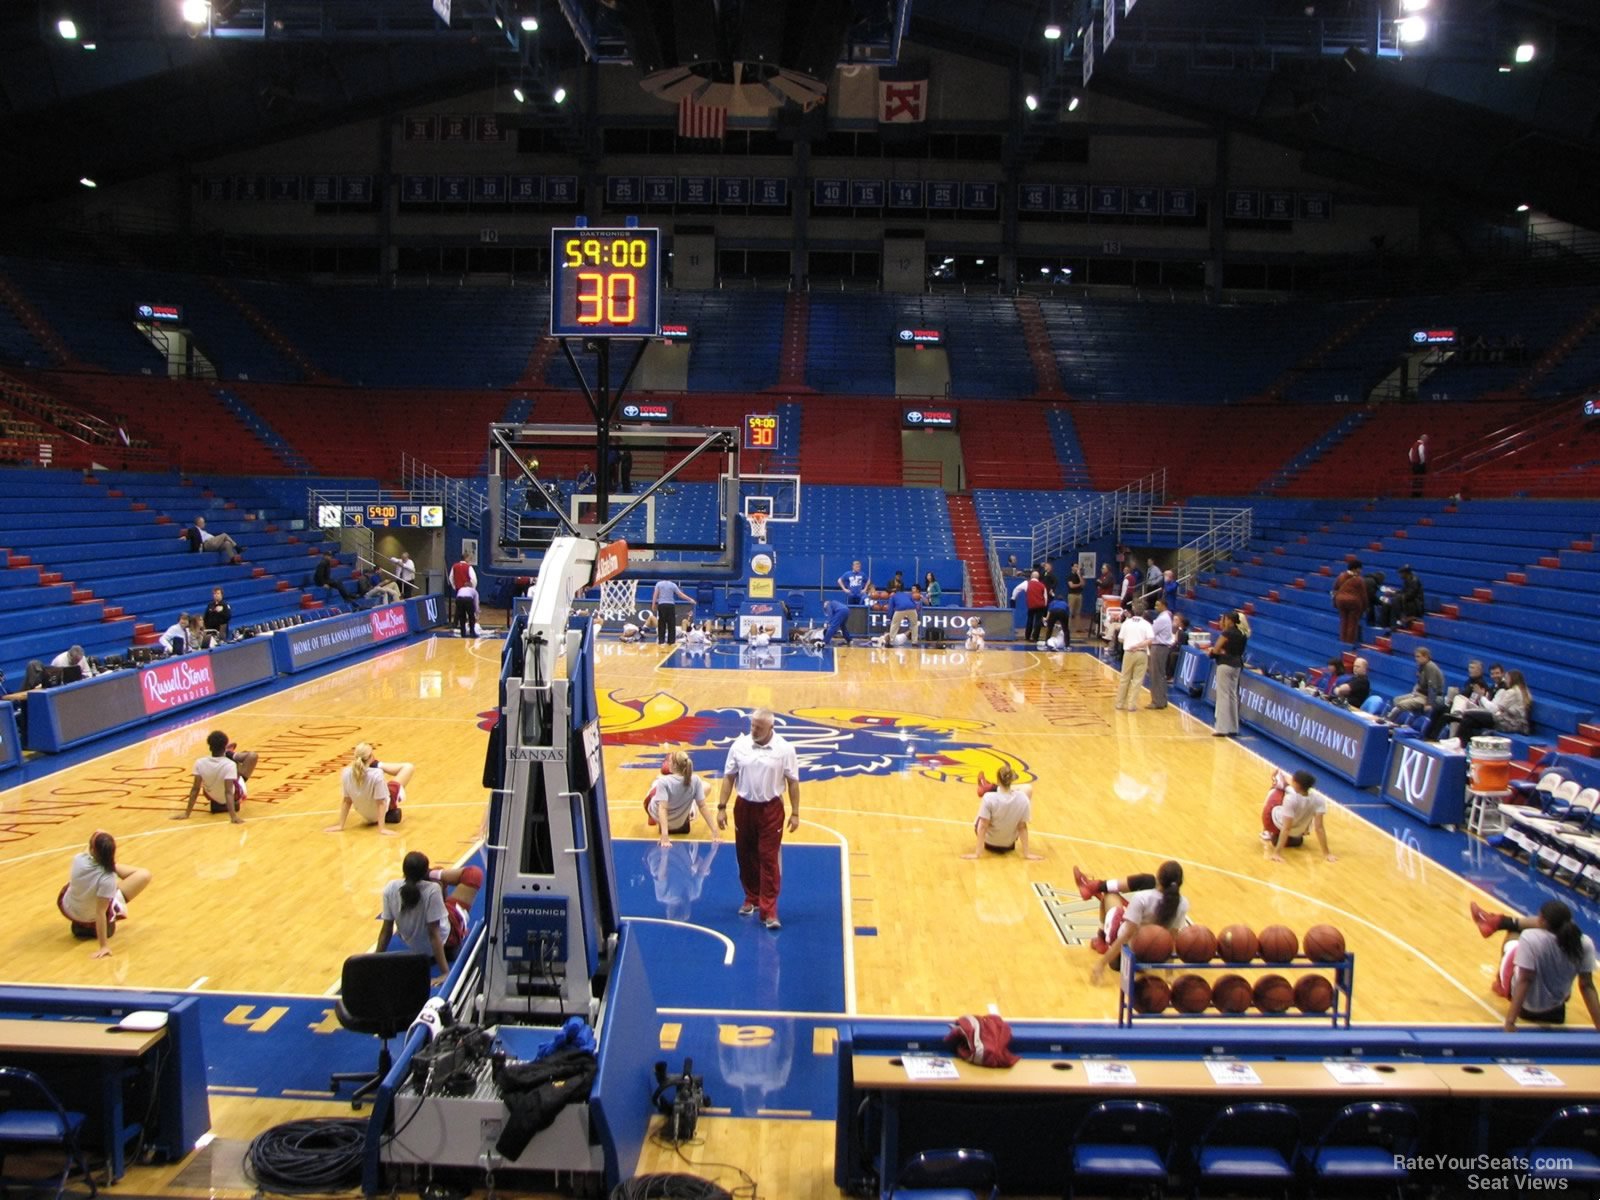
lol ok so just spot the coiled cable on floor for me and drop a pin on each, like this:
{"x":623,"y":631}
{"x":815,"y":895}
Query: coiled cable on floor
{"x":308,"y":1156}
{"x":668,"y":1187}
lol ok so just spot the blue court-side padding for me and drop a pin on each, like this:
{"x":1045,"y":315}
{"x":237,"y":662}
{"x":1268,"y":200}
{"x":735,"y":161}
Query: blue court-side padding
{"x":620,"y":1100}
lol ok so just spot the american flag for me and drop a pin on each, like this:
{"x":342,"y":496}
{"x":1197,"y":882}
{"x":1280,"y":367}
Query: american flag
{"x":701,"y":121}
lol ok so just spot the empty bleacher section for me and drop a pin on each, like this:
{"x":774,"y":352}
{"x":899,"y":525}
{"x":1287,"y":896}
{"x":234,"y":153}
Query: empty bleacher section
{"x":1503,"y":582}
{"x":1174,"y":353}
{"x":1013,"y":514}
{"x":983,"y":336}
{"x":1010,"y":446}
{"x":1064,"y":437}
{"x":844,"y":441}
{"x":850,"y":344}
{"x":408,"y":337}
{"x":92,"y":308}
{"x":734,"y":338}
{"x":1204,"y":448}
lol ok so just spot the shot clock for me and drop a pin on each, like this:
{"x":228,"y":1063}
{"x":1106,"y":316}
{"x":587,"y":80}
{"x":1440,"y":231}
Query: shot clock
{"x":605,"y":282}
{"x":760,"y":431}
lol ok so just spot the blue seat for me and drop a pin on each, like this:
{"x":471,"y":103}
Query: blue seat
{"x":1126,"y":1140}
{"x":1365,"y":1142}
{"x":46,"y":1123}
{"x":1249,"y":1145}
{"x":1373,"y":704}
{"x":947,"y":1175}
{"x":1565,"y":1147}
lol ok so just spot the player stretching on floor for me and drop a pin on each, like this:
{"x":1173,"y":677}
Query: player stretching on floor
{"x":221,"y":775}
{"x":1291,"y":811}
{"x":1539,"y":967}
{"x":1002,"y":823}
{"x":97,"y":893}
{"x":369,"y":789}
{"x":425,"y":916}
{"x":1140,"y":899}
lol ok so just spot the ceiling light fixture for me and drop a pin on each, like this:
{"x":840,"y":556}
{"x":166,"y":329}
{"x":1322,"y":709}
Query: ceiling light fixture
{"x":195,"y":12}
{"x":1032,"y":102}
{"x":559,"y":95}
{"x":1413,"y":5}
{"x":1522,"y":208}
{"x":87,"y":182}
{"x":530,"y":24}
{"x":1411,"y":30}
{"x":1052,"y":32}
{"x":518,"y":95}
{"x":1525,"y":52}
{"x":68,"y":29}
{"x":1072,"y":105}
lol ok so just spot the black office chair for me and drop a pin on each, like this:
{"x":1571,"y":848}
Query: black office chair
{"x":379,"y":994}
{"x":44,"y":1124}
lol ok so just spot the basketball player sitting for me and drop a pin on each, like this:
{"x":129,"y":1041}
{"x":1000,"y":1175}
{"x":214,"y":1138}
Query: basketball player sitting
{"x":1292,"y":810}
{"x":760,"y":637}
{"x":1162,"y":905}
{"x":630,"y":632}
{"x":697,"y":638}
{"x":375,"y":790}
{"x":1003,"y":814}
{"x":975,"y":637}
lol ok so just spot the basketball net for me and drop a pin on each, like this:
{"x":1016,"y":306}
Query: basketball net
{"x":617,"y":600}
{"x":758,"y":526}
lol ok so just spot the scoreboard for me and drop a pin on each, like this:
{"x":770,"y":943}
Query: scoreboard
{"x":407,"y":516}
{"x":605,"y":282}
{"x":761,"y":431}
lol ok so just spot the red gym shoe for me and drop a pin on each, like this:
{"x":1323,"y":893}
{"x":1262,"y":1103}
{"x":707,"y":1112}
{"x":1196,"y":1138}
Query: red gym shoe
{"x":984,"y":786}
{"x":1488,"y":922}
{"x":1087,"y":888}
{"x":1098,"y":943}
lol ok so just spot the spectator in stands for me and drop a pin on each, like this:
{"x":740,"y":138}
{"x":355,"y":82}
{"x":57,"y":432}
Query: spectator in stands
{"x":360,"y":585}
{"x":1425,"y":693}
{"x":1013,"y":568}
{"x":1410,"y":604}
{"x":1038,"y":605}
{"x":1375,"y":613}
{"x":1357,"y":688}
{"x":1162,"y":646}
{"x":932,"y":593}
{"x":897,"y":584}
{"x":199,"y":540}
{"x":462,"y":578}
{"x":855,"y":584}
{"x":1419,"y":464}
{"x":664,"y":600}
{"x":1229,"y":650}
{"x":906,"y":606}
{"x":1506,"y":711}
{"x":75,"y":657}
{"x":405,"y":572}
{"x":1074,"y":594}
{"x":387,"y":591}
{"x":176,"y":638}
{"x":323,"y":578}
{"x":217,"y":617}
{"x":1331,"y":674}
{"x":586,"y":480}
{"x":1135,"y":636}
{"x":199,"y":639}
{"x":1497,"y":679}
{"x":1350,"y":599}
{"x":1169,"y":589}
{"x":1047,"y":576}
{"x":1153,"y":575}
{"x":1130,"y":585}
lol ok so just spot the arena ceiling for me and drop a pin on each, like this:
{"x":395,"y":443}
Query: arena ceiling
{"x":1453,"y":119}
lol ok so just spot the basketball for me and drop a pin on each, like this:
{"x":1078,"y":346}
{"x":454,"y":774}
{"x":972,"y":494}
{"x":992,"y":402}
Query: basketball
{"x":1237,"y":944}
{"x":1313,"y":994}
{"x":1196,"y":944}
{"x":1231,"y":994}
{"x":1278,"y":944}
{"x":1273,"y":994}
{"x":1152,"y":944}
{"x":1191,"y":994}
{"x":1151,"y":994}
{"x":1324,"y":943}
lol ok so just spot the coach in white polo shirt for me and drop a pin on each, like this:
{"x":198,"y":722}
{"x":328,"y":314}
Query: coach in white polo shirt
{"x":763,"y":766}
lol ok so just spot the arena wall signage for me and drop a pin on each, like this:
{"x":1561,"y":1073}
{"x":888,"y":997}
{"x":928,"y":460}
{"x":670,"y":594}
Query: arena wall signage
{"x":925,"y":417}
{"x":1426,"y":781}
{"x":1341,"y":741}
{"x":953,"y":623}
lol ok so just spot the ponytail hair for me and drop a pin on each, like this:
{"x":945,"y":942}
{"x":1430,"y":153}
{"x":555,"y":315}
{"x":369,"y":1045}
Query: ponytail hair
{"x":1557,"y":918}
{"x":681,"y":765}
{"x":1005,"y":777}
{"x":415,"y":869}
{"x":361,"y":756}
{"x":103,"y":849}
{"x":1169,"y":881}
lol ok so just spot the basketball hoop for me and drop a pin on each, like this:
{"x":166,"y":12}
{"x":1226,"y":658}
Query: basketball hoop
{"x":758,"y":526}
{"x":618,"y":600}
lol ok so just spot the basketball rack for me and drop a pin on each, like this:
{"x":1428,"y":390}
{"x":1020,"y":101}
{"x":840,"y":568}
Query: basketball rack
{"x":1343,"y":972}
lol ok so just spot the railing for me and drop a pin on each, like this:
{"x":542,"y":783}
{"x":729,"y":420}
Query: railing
{"x":464,"y":502}
{"x":1055,"y":535}
{"x":1213,"y":534}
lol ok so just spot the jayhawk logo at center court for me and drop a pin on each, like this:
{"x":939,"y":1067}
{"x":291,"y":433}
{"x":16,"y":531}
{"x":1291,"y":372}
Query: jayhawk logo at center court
{"x":831,"y":743}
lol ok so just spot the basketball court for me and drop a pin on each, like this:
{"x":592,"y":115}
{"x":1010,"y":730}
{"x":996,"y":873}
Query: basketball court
{"x":881,"y":914}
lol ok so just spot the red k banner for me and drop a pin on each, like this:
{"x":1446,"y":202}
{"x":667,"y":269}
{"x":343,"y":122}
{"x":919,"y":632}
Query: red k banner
{"x":174,"y":684}
{"x":902,"y":101}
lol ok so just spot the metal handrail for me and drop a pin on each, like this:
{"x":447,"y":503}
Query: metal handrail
{"x":1226,"y":530}
{"x":464,"y":502}
{"x":1057,"y":534}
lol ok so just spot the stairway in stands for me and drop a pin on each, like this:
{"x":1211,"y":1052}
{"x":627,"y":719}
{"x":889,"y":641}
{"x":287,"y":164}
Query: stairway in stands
{"x":33,"y":321}
{"x":792,"y":349}
{"x":544,"y":349}
{"x":259,"y":322}
{"x":970,"y":547}
{"x":270,"y":437}
{"x":1047,"y":377}
{"x":1318,"y":447}
{"x":1564,"y":345}
{"x":1280,"y":386}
